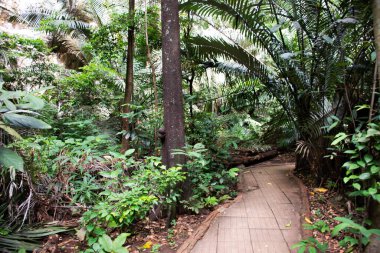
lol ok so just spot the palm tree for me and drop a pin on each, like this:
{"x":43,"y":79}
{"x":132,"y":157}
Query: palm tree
{"x":308,"y":67}
{"x":68,"y":22}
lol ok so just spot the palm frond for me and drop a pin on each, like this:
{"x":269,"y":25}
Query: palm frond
{"x":213,"y":48}
{"x":29,"y":239}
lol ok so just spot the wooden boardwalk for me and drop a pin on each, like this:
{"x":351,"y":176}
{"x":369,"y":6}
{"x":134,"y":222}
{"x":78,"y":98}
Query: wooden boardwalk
{"x":266,"y":219}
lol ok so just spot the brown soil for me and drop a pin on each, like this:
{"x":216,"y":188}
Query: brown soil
{"x":152,"y":233}
{"x":146,"y":235}
{"x":326,"y":206}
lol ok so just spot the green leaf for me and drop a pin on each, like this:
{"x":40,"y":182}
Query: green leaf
{"x":90,"y":227}
{"x":194,"y":154}
{"x":35,"y":103}
{"x":375,"y":231}
{"x":199,"y":146}
{"x":372,"y":191}
{"x":312,"y":250}
{"x":129,"y":152}
{"x":110,"y":174}
{"x":373,"y":132}
{"x":375,"y":169}
{"x":338,"y":138}
{"x":10,"y":105}
{"x":323,"y":247}
{"x":356,"y":186}
{"x":368,"y":158}
{"x":121,"y":250}
{"x":301,"y":249}
{"x":106,"y":242}
{"x":19,"y":120}
{"x":338,"y":228}
{"x":350,"y":165}
{"x":361,"y":163}
{"x":365,"y":176}
{"x":120,"y":240}
{"x":297,"y":245}
{"x":9,"y":158}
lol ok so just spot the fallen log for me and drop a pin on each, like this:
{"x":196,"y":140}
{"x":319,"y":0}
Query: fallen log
{"x":250,"y":160}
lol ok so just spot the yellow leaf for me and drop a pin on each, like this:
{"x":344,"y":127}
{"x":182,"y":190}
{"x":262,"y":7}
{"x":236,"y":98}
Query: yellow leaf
{"x":10,"y":130}
{"x":289,"y":224}
{"x":147,"y":245}
{"x":321,"y":190}
{"x":308,"y":220}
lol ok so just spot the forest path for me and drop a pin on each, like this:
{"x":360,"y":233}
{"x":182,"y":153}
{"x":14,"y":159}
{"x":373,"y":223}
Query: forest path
{"x":267,"y":218}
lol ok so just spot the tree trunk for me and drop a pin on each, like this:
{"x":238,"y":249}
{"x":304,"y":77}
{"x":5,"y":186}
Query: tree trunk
{"x":172,"y":83}
{"x":172,"y":90}
{"x":126,"y":126}
{"x":374,"y":207}
{"x":154,"y":79}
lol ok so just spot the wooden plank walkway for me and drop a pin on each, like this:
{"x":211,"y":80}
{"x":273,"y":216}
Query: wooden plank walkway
{"x":266,"y":219}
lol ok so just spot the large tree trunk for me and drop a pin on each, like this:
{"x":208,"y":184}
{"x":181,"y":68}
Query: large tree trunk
{"x":374,"y":207}
{"x":126,"y":126}
{"x":172,"y":90}
{"x":172,"y":83}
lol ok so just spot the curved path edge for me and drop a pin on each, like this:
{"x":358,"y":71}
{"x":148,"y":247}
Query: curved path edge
{"x":265,"y":217}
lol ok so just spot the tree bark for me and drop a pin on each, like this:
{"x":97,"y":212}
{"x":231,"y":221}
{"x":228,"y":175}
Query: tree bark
{"x":250,"y":159}
{"x":172,"y":83}
{"x":128,"y":95}
{"x":172,"y":93}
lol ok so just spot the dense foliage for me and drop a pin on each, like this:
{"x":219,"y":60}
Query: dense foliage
{"x":294,"y":75}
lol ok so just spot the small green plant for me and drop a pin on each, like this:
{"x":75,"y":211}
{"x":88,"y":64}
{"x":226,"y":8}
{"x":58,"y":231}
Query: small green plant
{"x":106,"y":245}
{"x":171,"y":234}
{"x":320,"y":225}
{"x":16,"y":106}
{"x":362,"y":234}
{"x":155,"y":248}
{"x":311,"y":244}
{"x":211,"y":201}
{"x":363,"y":169}
{"x":210,"y":181}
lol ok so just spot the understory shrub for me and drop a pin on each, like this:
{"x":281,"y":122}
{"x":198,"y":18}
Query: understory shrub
{"x":362,"y":175}
{"x":211,"y":182}
{"x":130,"y":195}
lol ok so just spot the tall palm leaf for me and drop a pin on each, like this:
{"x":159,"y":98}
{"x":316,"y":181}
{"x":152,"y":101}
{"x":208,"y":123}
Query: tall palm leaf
{"x":305,"y":69}
{"x":68,"y":24}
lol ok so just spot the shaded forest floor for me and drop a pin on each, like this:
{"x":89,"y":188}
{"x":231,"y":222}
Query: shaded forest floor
{"x":326,"y":203}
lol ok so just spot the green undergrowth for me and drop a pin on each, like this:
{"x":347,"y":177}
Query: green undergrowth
{"x":361,"y":175}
